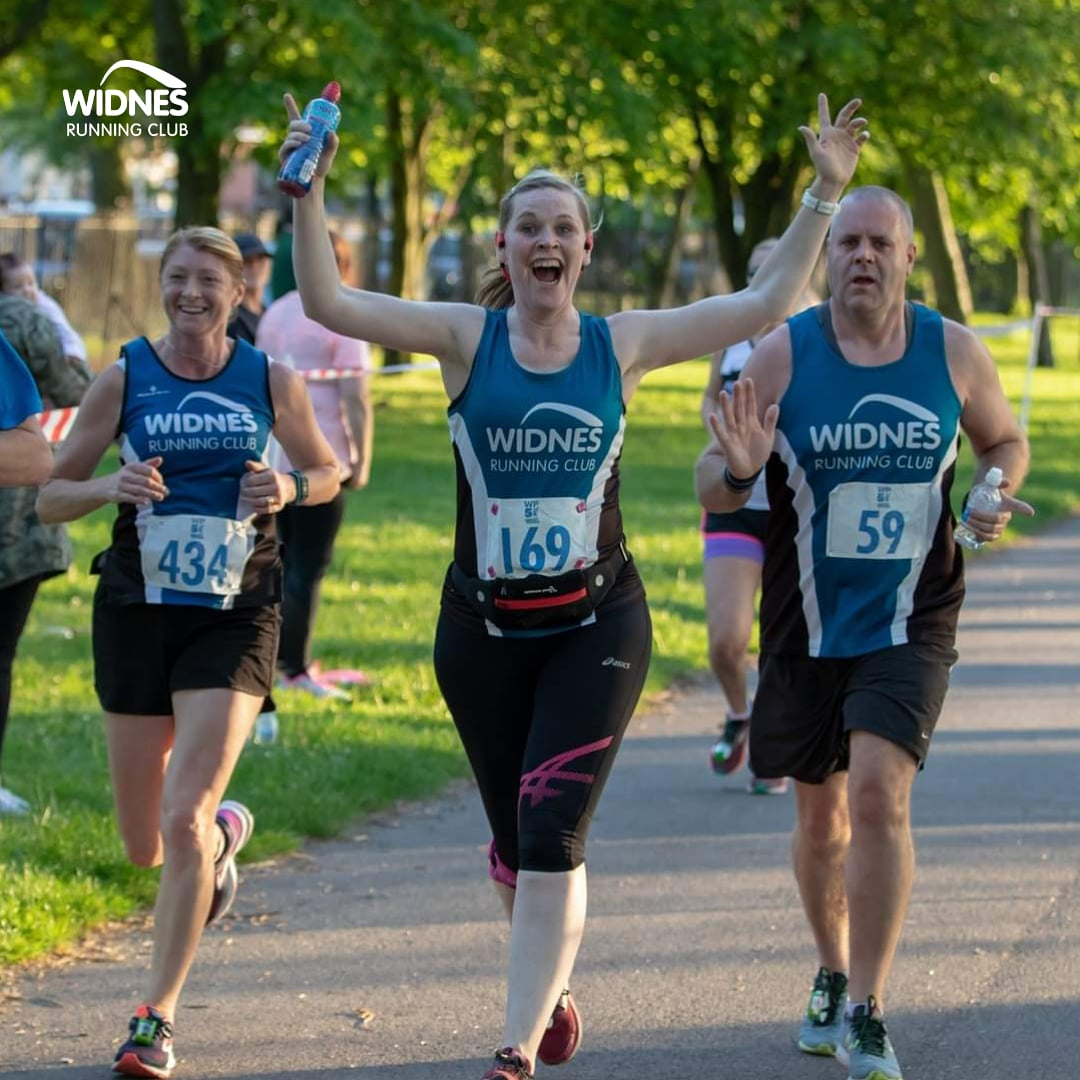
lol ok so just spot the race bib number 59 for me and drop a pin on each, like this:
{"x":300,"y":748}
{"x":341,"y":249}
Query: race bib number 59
{"x":877,"y":521}
{"x":196,"y":554}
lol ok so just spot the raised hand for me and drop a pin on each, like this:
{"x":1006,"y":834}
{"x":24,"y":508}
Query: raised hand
{"x":746,"y":440}
{"x":835,"y":148}
{"x":299,"y":133}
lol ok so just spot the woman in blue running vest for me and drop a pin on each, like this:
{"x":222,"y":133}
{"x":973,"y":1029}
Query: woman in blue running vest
{"x":544,"y":637}
{"x":186,"y":612}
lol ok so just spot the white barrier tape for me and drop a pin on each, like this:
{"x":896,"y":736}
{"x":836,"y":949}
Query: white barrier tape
{"x":56,"y":423}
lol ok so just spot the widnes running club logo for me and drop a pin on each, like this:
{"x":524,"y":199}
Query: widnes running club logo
{"x":584,"y":438}
{"x":921,"y":433}
{"x":236,"y":429}
{"x":167,"y":99}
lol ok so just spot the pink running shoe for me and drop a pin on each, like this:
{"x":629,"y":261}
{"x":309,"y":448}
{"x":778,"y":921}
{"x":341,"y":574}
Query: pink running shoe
{"x":237,"y":823}
{"x":316,"y":687}
{"x":562,"y":1038}
{"x":339,"y":676}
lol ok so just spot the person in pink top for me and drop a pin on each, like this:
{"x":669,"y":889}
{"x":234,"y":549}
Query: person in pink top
{"x":344,"y":415}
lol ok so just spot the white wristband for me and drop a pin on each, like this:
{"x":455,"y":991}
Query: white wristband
{"x":819,"y":206}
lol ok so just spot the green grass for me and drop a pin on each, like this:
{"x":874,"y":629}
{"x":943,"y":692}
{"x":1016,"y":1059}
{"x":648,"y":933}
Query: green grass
{"x":63,"y":869}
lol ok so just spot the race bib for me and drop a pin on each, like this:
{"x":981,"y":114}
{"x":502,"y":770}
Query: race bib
{"x":877,"y":521}
{"x":196,"y":554}
{"x":537,"y":536}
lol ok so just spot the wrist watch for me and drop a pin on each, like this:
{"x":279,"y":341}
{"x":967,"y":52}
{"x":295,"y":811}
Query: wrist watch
{"x":819,"y":206}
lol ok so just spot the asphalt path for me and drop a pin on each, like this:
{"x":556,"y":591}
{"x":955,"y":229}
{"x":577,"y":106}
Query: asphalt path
{"x":380,"y":955}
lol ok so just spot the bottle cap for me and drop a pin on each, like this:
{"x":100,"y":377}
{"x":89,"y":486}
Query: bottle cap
{"x":332,"y":92}
{"x":994,"y":476}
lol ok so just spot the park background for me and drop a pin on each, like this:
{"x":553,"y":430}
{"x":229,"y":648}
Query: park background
{"x":681,"y":119}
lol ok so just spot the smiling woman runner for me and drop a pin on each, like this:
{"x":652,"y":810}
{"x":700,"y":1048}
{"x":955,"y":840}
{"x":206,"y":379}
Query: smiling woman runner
{"x":186,"y":612}
{"x":542,"y":595}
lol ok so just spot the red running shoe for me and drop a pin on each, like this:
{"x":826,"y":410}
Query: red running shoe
{"x":563,"y":1035}
{"x":509,"y":1065}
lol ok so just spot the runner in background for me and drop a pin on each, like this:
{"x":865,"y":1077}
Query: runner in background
{"x":733,"y":550}
{"x":30,"y":551}
{"x":344,"y":415}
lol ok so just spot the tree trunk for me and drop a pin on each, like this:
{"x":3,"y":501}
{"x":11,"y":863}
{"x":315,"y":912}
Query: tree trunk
{"x":108,"y":182}
{"x":1038,"y":276}
{"x":662,"y":284}
{"x":930,"y":203}
{"x":372,"y":239}
{"x":727,"y":240}
{"x":198,"y":178}
{"x":767,"y":201}
{"x":198,"y":157}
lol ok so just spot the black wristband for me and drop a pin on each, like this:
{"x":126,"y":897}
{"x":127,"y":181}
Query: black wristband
{"x":301,"y":482}
{"x":738,"y":484}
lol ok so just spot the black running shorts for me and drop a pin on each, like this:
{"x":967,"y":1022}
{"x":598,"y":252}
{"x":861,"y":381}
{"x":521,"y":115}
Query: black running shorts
{"x":144,"y":653}
{"x":805,"y":707}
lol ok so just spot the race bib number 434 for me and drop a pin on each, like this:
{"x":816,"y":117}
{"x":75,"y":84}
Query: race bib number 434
{"x":196,"y":554}
{"x":878,"y":521}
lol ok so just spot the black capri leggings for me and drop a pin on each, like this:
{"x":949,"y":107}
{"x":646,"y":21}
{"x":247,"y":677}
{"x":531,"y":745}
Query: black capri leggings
{"x":541,"y":720}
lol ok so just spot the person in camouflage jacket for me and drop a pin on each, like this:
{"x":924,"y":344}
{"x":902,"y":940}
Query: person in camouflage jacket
{"x":30,"y":552}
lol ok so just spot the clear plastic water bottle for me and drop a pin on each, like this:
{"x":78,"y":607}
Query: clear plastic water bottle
{"x":982,"y":497}
{"x":324,"y":116}
{"x":266,"y":729}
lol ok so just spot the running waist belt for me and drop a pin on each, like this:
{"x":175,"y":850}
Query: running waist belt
{"x":541,"y":600}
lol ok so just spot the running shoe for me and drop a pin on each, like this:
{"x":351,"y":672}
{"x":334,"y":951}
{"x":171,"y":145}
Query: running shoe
{"x":758,"y":785}
{"x":866,"y":1045}
{"x":509,"y":1065}
{"x":10,"y":803}
{"x":148,"y":1050}
{"x":822,"y":1028}
{"x":310,"y":685}
{"x":563,"y":1034}
{"x":339,"y":676}
{"x":237,"y":823}
{"x":729,"y":751}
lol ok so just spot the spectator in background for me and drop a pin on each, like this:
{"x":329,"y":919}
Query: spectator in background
{"x":344,"y":415}
{"x":282,"y":277}
{"x":245,"y":322}
{"x":30,"y":552}
{"x":17,"y":279}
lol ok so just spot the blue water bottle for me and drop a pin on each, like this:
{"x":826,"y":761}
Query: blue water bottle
{"x":324,"y":116}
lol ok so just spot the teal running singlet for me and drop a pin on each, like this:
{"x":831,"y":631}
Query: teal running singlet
{"x":859,"y":552}
{"x":537,"y":458}
{"x":203,"y":544}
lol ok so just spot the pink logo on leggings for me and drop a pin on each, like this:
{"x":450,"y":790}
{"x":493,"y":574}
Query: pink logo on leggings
{"x":535,"y":783}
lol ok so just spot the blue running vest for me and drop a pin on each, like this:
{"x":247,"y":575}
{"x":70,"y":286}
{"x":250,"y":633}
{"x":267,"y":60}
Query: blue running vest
{"x":203,"y":544}
{"x":537,"y":458}
{"x":859,"y":553}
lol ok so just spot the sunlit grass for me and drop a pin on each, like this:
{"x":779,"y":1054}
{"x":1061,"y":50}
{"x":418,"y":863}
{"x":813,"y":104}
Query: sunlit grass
{"x":63,"y":869}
